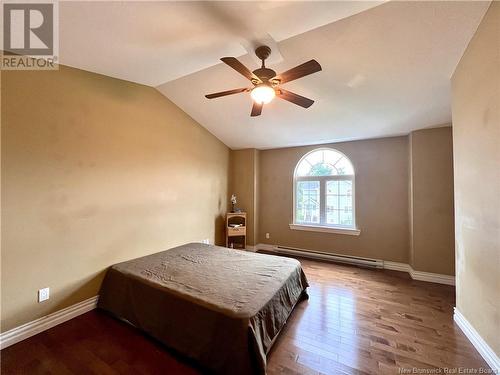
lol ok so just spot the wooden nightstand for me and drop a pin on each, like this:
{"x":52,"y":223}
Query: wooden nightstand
{"x":236,"y":230}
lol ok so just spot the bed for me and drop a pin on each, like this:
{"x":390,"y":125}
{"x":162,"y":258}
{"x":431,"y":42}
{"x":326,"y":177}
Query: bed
{"x":223,"y":308}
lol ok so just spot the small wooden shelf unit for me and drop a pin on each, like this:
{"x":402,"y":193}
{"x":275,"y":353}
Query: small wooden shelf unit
{"x":236,"y":237}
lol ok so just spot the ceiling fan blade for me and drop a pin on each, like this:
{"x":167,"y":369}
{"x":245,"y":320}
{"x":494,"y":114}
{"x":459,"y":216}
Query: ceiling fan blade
{"x":240,"y":68}
{"x":256,"y":109}
{"x":310,"y":67}
{"x":294,"y":98}
{"x":224,"y":93}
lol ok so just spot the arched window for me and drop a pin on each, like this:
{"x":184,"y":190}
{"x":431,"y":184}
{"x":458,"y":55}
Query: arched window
{"x":324,"y":190}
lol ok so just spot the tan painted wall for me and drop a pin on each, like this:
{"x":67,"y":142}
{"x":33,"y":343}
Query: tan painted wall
{"x":381,"y":167}
{"x":476,"y":140}
{"x":95,"y":171}
{"x":243,"y":182}
{"x":431,"y":182}
{"x":257,"y":197}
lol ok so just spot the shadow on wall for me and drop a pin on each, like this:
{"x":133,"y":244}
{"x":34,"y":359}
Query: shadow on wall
{"x":219,"y":227}
{"x":81,"y":290}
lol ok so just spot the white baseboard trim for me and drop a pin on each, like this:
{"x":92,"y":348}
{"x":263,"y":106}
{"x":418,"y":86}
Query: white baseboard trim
{"x":420,"y":275}
{"x":29,"y":329}
{"x":396,"y":266}
{"x":482,"y":347}
{"x":432,"y":277}
{"x":404,"y":267}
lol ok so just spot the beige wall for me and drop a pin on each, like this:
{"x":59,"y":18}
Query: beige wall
{"x":95,"y":171}
{"x":381,"y":167}
{"x":432,"y":238}
{"x":476,"y":140}
{"x":243,"y":182}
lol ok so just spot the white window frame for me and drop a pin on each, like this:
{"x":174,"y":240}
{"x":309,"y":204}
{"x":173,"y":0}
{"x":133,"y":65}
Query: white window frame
{"x":322,"y":226}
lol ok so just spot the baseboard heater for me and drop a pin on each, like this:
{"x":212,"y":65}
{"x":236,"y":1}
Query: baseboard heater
{"x":358,"y":261}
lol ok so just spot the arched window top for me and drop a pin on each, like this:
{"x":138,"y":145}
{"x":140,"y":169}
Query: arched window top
{"x":324,"y":162}
{"x":323,"y":186}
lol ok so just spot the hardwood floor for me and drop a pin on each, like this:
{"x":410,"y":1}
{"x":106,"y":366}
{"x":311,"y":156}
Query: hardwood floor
{"x":356,"y":321}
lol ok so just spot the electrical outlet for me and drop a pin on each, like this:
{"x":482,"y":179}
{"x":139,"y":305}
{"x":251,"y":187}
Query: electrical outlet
{"x":206,"y":241}
{"x":43,"y":294}
{"x":267,"y":235}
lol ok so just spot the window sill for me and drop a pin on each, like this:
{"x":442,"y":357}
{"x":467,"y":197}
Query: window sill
{"x":319,"y":228}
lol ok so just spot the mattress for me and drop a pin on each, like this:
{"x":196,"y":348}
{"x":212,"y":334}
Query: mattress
{"x":221,"y":307}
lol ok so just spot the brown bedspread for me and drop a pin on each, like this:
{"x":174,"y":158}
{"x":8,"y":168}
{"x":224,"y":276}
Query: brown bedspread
{"x":222,"y":307}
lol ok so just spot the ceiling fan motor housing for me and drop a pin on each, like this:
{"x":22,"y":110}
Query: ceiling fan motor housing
{"x":264,"y":74}
{"x":263,"y":52}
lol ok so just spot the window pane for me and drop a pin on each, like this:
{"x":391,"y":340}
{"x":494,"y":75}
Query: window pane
{"x":307,"y":202}
{"x":344,"y":166}
{"x":324,"y":162}
{"x":303,"y":168}
{"x":321,"y":169}
{"x":331,"y":156}
{"x":315,"y":157}
{"x":339,"y":203}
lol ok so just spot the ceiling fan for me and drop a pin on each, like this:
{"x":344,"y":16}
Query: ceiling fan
{"x":267,"y":83}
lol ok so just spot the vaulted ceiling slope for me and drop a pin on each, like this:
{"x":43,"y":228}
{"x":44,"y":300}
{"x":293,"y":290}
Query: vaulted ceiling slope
{"x":386,"y":65}
{"x":153,"y":42}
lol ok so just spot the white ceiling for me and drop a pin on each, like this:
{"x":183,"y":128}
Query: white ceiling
{"x":386,"y":68}
{"x":153,"y":42}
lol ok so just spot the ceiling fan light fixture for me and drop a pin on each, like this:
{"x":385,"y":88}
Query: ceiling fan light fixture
{"x":267,"y":83}
{"x":262,"y":94}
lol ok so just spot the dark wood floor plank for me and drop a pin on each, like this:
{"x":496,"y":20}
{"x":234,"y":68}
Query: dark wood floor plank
{"x":357,"y":321}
